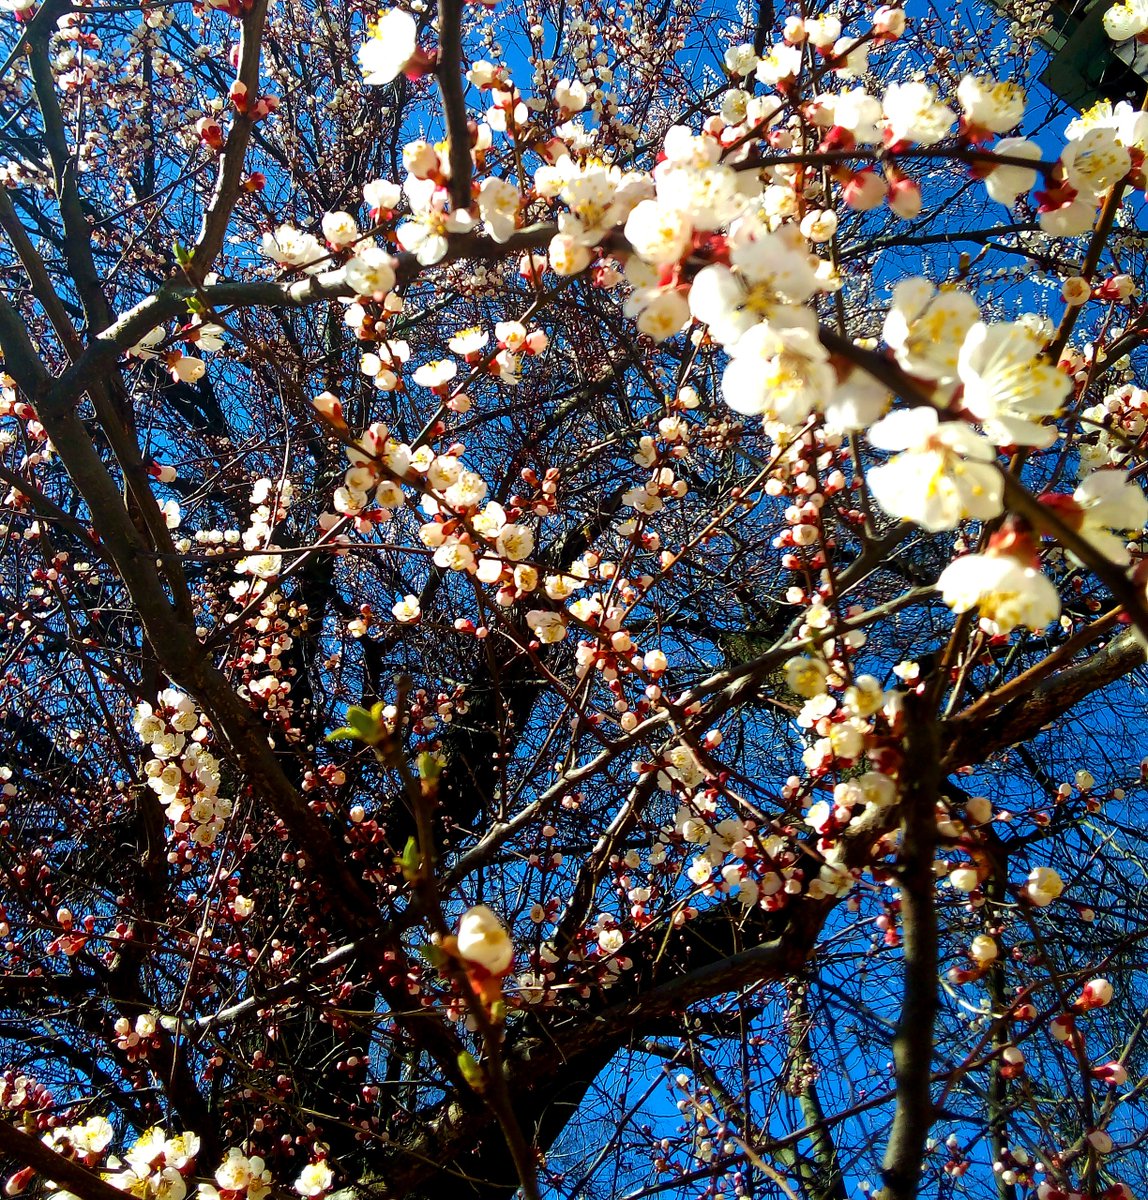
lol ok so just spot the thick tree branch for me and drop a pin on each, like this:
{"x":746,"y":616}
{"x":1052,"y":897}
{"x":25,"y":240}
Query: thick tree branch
{"x":973,"y":741}
{"x":449,"y":76}
{"x":913,"y":1041}
{"x":62,"y":1171}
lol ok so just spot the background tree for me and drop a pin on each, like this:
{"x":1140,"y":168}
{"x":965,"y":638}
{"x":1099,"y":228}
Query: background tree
{"x":540,"y":652}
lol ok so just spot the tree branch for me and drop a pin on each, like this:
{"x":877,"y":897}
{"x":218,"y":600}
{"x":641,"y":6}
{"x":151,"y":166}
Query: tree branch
{"x":913,"y":1041}
{"x":234,"y":156}
{"x":62,"y":1171}
{"x":449,"y":76}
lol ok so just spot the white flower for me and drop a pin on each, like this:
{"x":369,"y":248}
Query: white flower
{"x":1004,"y":183}
{"x":1095,"y":161}
{"x":1070,"y":218}
{"x":547,"y":627}
{"x":371,"y":272}
{"x":925,"y":328}
{"x":93,"y":1136}
{"x":857,"y":402}
{"x":964,"y":879}
{"x":515,"y":542}
{"x":1109,"y":500}
{"x":610,"y":941}
{"x":997,"y":107}
{"x":822,"y":32}
{"x":740,"y":60}
{"x":658,"y":233}
{"x":781,"y":61}
{"x":498,"y":205}
{"x":185,"y":368}
{"x":468,"y":341}
{"x":467,"y":491}
{"x":856,"y":111}
{"x":806,"y":676}
{"x":819,"y":224}
{"x":392,"y":44}
{"x":852,"y":56}
{"x":290,"y":247}
{"x":340,"y":228}
{"x":706,"y":197}
{"x":914,"y":114}
{"x":381,"y":195}
{"x":661,"y":312}
{"x":406,"y":611}
{"x":780,"y":371}
{"x":315,"y":1179}
{"x":567,"y":256}
{"x":571,"y":94}
{"x":1125,"y":20}
{"x":770,"y":270}
{"x":1130,"y":124}
{"x":1043,"y":886}
{"x":436,"y":374}
{"x":483,"y":939}
{"x":239,"y":1173}
{"x":983,"y":950}
{"x":1006,"y":591}
{"x":146,"y":347}
{"x":1008,"y":382}
{"x":945,"y":475}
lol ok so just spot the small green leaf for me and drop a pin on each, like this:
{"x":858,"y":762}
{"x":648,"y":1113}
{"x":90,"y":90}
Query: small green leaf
{"x":410,"y":859}
{"x":363,"y":725}
{"x":432,"y":954}
{"x":471,"y":1071}
{"x":430,"y":766}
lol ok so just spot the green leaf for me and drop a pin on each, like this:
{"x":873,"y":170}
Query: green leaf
{"x":432,"y":954}
{"x":363,"y":725}
{"x":471,"y":1071}
{"x":430,"y":766}
{"x":410,"y":859}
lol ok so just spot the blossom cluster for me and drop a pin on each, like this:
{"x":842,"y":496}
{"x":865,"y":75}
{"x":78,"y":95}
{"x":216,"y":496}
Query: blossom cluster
{"x":182,"y":772}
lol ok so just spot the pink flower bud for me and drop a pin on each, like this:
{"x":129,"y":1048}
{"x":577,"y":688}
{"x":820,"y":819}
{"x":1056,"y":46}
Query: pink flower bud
{"x":864,"y":190}
{"x":210,"y":132}
{"x":1112,"y":1073}
{"x":1096,"y":994}
{"x":1061,"y":1028}
{"x":15,"y":1184}
{"x":905,"y":198}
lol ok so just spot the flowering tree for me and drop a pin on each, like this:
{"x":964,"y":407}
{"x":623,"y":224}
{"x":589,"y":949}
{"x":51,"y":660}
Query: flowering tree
{"x":573,"y":604}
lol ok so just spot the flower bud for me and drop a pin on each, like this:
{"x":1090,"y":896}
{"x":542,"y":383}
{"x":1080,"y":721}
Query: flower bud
{"x":482,"y":939}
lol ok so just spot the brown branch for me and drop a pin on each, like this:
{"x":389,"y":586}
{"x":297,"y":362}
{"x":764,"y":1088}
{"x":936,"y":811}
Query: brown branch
{"x":449,"y":76}
{"x":1023,"y":683}
{"x":42,"y":287}
{"x":62,"y":1171}
{"x":171,"y":300}
{"x":234,"y":156}
{"x":913,"y":1041}
{"x":77,"y":230}
{"x":974,"y":741}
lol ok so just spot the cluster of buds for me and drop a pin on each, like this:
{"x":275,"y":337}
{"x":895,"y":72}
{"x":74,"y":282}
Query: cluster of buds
{"x":138,"y":1040}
